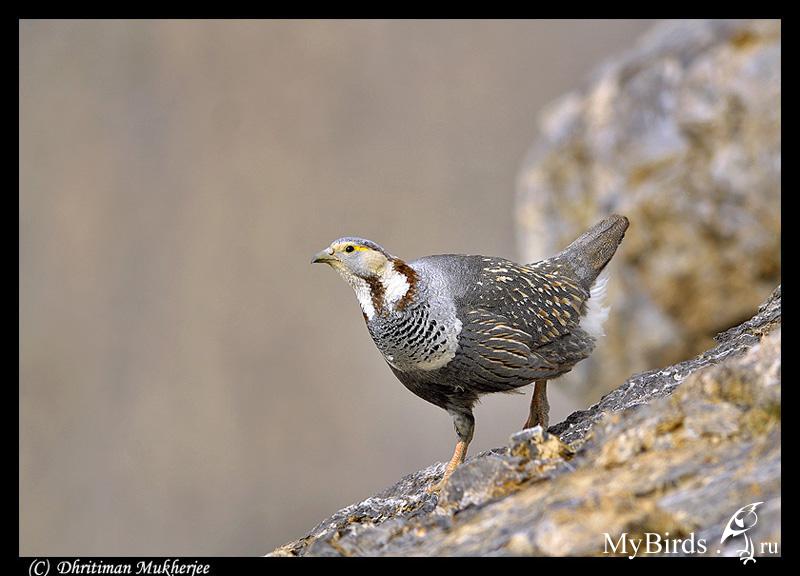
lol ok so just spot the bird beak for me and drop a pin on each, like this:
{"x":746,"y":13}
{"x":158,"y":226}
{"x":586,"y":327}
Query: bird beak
{"x":323,"y":256}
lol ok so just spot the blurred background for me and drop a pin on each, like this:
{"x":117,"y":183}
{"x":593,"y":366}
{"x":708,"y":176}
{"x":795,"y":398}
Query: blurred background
{"x":189,"y":383}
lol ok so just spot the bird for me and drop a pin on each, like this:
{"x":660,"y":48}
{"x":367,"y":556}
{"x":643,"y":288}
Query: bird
{"x":454,"y":327}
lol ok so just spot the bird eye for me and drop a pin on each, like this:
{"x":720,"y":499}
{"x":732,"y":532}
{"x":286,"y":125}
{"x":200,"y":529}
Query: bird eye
{"x":349,"y":248}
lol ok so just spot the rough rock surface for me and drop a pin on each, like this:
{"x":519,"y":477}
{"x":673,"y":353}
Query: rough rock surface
{"x":682,"y":134}
{"x":675,"y":451}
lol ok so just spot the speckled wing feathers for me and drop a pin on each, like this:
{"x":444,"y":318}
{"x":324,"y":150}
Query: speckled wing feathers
{"x":521,"y":323}
{"x":539,"y":299}
{"x":494,"y":353}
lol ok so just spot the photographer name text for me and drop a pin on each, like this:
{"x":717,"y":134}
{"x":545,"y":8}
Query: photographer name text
{"x":169,"y":567}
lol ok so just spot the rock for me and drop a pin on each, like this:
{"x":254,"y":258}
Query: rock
{"x":682,"y":135}
{"x":674,"y":452}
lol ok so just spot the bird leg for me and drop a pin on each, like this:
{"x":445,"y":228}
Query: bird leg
{"x":540,"y":410}
{"x":465,"y":426}
{"x":458,"y":457}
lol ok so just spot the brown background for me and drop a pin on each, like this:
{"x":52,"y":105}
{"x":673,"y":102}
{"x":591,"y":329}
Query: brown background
{"x":189,"y":383}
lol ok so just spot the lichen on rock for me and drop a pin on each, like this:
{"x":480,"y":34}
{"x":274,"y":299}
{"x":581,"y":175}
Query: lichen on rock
{"x":674,"y":451}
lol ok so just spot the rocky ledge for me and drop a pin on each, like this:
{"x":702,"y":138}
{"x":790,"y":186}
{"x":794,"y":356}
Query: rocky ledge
{"x":672,"y":452}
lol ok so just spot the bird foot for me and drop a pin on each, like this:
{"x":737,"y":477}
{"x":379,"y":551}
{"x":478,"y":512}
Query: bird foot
{"x":543,"y":422}
{"x":436,"y":488}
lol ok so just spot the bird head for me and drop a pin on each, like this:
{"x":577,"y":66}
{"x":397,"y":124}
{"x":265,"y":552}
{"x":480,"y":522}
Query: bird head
{"x":354,"y":258}
{"x":382,"y":282}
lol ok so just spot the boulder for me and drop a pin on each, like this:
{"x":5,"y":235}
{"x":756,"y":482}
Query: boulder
{"x":682,"y":134}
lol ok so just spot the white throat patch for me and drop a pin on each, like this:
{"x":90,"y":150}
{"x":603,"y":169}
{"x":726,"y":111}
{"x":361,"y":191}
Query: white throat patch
{"x":364,"y":295}
{"x":395,"y":284}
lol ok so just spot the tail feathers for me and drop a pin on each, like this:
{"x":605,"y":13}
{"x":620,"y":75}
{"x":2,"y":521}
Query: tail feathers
{"x":590,"y":253}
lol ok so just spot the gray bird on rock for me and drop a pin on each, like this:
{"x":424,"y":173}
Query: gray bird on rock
{"x":453,"y":327}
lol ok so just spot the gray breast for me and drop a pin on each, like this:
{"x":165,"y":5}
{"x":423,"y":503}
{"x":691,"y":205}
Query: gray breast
{"x":424,"y":335}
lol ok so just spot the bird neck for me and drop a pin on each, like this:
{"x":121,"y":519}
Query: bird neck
{"x":390,"y":291}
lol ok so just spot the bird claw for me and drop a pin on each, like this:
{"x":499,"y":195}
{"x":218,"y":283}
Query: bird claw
{"x":435,"y":488}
